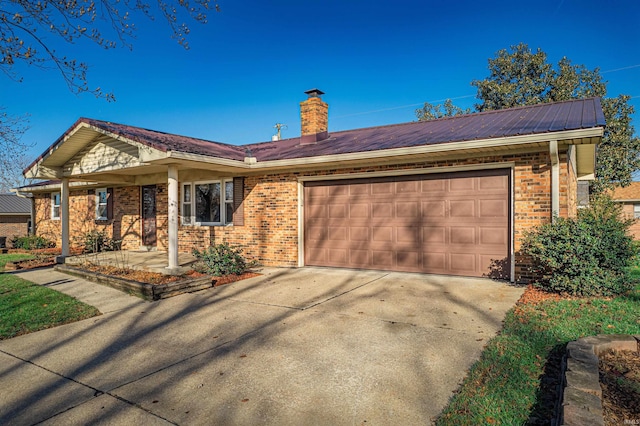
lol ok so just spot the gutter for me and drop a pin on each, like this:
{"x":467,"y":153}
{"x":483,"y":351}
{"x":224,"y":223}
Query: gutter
{"x":32,"y":228}
{"x":555,"y":179}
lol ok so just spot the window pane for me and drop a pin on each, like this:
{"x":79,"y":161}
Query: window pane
{"x":102,"y":197}
{"x":228,"y":191}
{"x":186,"y":193}
{"x":56,"y":199}
{"x":102,"y":211}
{"x":56,"y":211}
{"x":208,"y":202}
{"x":229,"y":212}
{"x":186,"y":214}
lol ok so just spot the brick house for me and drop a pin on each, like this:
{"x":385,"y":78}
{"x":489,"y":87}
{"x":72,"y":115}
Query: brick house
{"x":629,"y":197}
{"x":448,"y":196}
{"x":15,"y":217}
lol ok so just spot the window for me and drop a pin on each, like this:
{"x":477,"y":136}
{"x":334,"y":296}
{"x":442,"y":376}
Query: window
{"x":55,"y":205}
{"x":636,"y":211}
{"x":102,"y":197}
{"x":207,"y":203}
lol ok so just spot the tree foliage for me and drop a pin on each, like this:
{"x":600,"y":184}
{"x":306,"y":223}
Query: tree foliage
{"x":519,"y":77}
{"x":12,"y":150}
{"x":447,"y":109}
{"x":27,"y":27}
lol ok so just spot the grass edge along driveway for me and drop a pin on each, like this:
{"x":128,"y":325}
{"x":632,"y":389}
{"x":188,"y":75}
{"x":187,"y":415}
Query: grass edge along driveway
{"x":504,"y":386}
{"x":26,"y":307}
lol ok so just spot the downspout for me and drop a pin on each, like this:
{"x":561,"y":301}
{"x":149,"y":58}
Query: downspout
{"x":555,"y":180}
{"x":32,"y":228}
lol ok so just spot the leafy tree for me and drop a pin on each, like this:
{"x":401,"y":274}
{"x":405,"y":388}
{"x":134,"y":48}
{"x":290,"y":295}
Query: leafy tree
{"x":521,"y":77}
{"x":447,"y":109}
{"x":29,"y":29}
{"x":12,"y":150}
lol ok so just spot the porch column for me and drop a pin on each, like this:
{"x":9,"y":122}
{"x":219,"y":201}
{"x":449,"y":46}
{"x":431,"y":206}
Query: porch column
{"x":64,"y":216}
{"x":173,"y":217}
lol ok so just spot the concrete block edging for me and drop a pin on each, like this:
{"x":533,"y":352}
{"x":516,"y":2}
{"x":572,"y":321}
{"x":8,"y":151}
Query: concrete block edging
{"x":582,"y":395}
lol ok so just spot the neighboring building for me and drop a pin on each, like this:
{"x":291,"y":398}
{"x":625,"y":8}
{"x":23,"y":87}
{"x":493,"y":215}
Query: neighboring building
{"x":629,"y":197}
{"x":15,"y":217}
{"x":448,"y":196}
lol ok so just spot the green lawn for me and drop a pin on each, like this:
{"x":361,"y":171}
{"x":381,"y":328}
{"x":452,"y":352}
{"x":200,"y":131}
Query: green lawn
{"x":504,"y":386}
{"x":26,"y":307}
{"x":12,"y":257}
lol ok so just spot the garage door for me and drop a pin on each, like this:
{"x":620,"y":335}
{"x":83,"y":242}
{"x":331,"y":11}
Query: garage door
{"x":450,"y":223}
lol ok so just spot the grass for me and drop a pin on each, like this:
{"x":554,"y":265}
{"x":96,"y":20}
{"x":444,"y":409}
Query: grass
{"x":26,"y":307}
{"x":13,"y":257}
{"x":504,"y":386}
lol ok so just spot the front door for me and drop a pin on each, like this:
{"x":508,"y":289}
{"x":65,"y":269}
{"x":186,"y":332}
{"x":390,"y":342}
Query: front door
{"x":149,"y":215}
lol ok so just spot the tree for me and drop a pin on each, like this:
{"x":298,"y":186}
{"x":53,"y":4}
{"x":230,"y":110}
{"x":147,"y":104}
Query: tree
{"x":447,"y":109}
{"x":28,"y":27}
{"x":12,"y":150}
{"x":521,"y":77}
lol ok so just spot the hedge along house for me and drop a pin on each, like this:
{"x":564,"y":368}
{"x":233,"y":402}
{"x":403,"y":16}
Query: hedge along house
{"x":448,"y":196}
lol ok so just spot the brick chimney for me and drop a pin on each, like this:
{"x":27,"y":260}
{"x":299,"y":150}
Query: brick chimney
{"x":314,"y":118}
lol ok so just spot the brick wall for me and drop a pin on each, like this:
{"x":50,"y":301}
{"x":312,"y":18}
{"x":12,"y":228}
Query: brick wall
{"x":14,"y":226}
{"x":627,"y":212}
{"x":270,"y":233}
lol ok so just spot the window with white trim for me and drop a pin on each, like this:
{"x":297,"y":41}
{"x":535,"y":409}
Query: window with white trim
{"x":101,"y":203}
{"x":207,"y":203}
{"x":636,"y":211}
{"x":55,"y":205}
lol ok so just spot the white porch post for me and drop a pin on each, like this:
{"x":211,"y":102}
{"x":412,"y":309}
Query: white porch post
{"x":173,"y":216}
{"x":64,"y":216}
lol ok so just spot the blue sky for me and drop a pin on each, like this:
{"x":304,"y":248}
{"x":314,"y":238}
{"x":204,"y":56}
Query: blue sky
{"x":248,"y":68}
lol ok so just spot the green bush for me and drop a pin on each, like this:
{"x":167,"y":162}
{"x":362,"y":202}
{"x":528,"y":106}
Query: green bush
{"x":31,"y":242}
{"x":588,"y":255}
{"x":220,"y":260}
{"x":96,"y":241}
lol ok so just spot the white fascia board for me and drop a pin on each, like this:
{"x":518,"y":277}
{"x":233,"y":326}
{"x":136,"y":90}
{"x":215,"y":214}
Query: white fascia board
{"x":512,"y":141}
{"x":177,"y":155}
{"x":56,"y":186}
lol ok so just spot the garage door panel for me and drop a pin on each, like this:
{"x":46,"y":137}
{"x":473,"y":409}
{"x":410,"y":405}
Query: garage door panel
{"x":453,"y":223}
{"x":433,"y":209}
{"x":462,"y":208}
{"x":493,"y":208}
{"x":434,"y":234}
{"x":462,"y":235}
{"x":407,"y":209}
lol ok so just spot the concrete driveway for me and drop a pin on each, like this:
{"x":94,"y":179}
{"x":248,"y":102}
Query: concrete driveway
{"x":298,"y":346}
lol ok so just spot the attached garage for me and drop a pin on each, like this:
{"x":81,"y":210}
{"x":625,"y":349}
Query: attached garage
{"x":445,"y":223}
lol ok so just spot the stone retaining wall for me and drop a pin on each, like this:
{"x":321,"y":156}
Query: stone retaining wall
{"x":582,"y":397}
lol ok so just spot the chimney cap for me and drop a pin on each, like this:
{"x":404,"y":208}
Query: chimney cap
{"x":314,"y":93}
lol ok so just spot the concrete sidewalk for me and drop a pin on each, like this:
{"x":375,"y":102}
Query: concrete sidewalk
{"x":302,"y":346}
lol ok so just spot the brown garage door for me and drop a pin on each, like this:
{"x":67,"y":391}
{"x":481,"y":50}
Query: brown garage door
{"x":450,"y":223}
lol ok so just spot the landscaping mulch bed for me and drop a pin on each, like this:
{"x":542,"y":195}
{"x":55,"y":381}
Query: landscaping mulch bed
{"x":620,"y":382}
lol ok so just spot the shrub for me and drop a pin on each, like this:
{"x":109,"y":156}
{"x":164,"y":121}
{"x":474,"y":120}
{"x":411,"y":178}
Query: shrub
{"x":32,"y":242}
{"x":220,"y":260}
{"x":96,"y":241}
{"x":587,"y":255}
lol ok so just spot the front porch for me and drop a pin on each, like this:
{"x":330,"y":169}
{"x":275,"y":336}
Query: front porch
{"x":143,"y":260}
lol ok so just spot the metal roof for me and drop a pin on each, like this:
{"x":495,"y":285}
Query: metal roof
{"x":11,"y":204}
{"x":527,"y":120}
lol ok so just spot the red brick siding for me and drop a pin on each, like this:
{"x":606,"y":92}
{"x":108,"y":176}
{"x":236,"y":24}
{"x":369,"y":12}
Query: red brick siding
{"x":14,"y":226}
{"x":627,"y":212}
{"x":270,"y":233}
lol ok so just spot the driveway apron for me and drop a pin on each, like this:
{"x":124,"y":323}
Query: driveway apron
{"x":294,"y":346}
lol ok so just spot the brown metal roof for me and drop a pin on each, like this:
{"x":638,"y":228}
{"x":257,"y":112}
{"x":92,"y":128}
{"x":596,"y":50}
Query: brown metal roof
{"x":527,"y":120}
